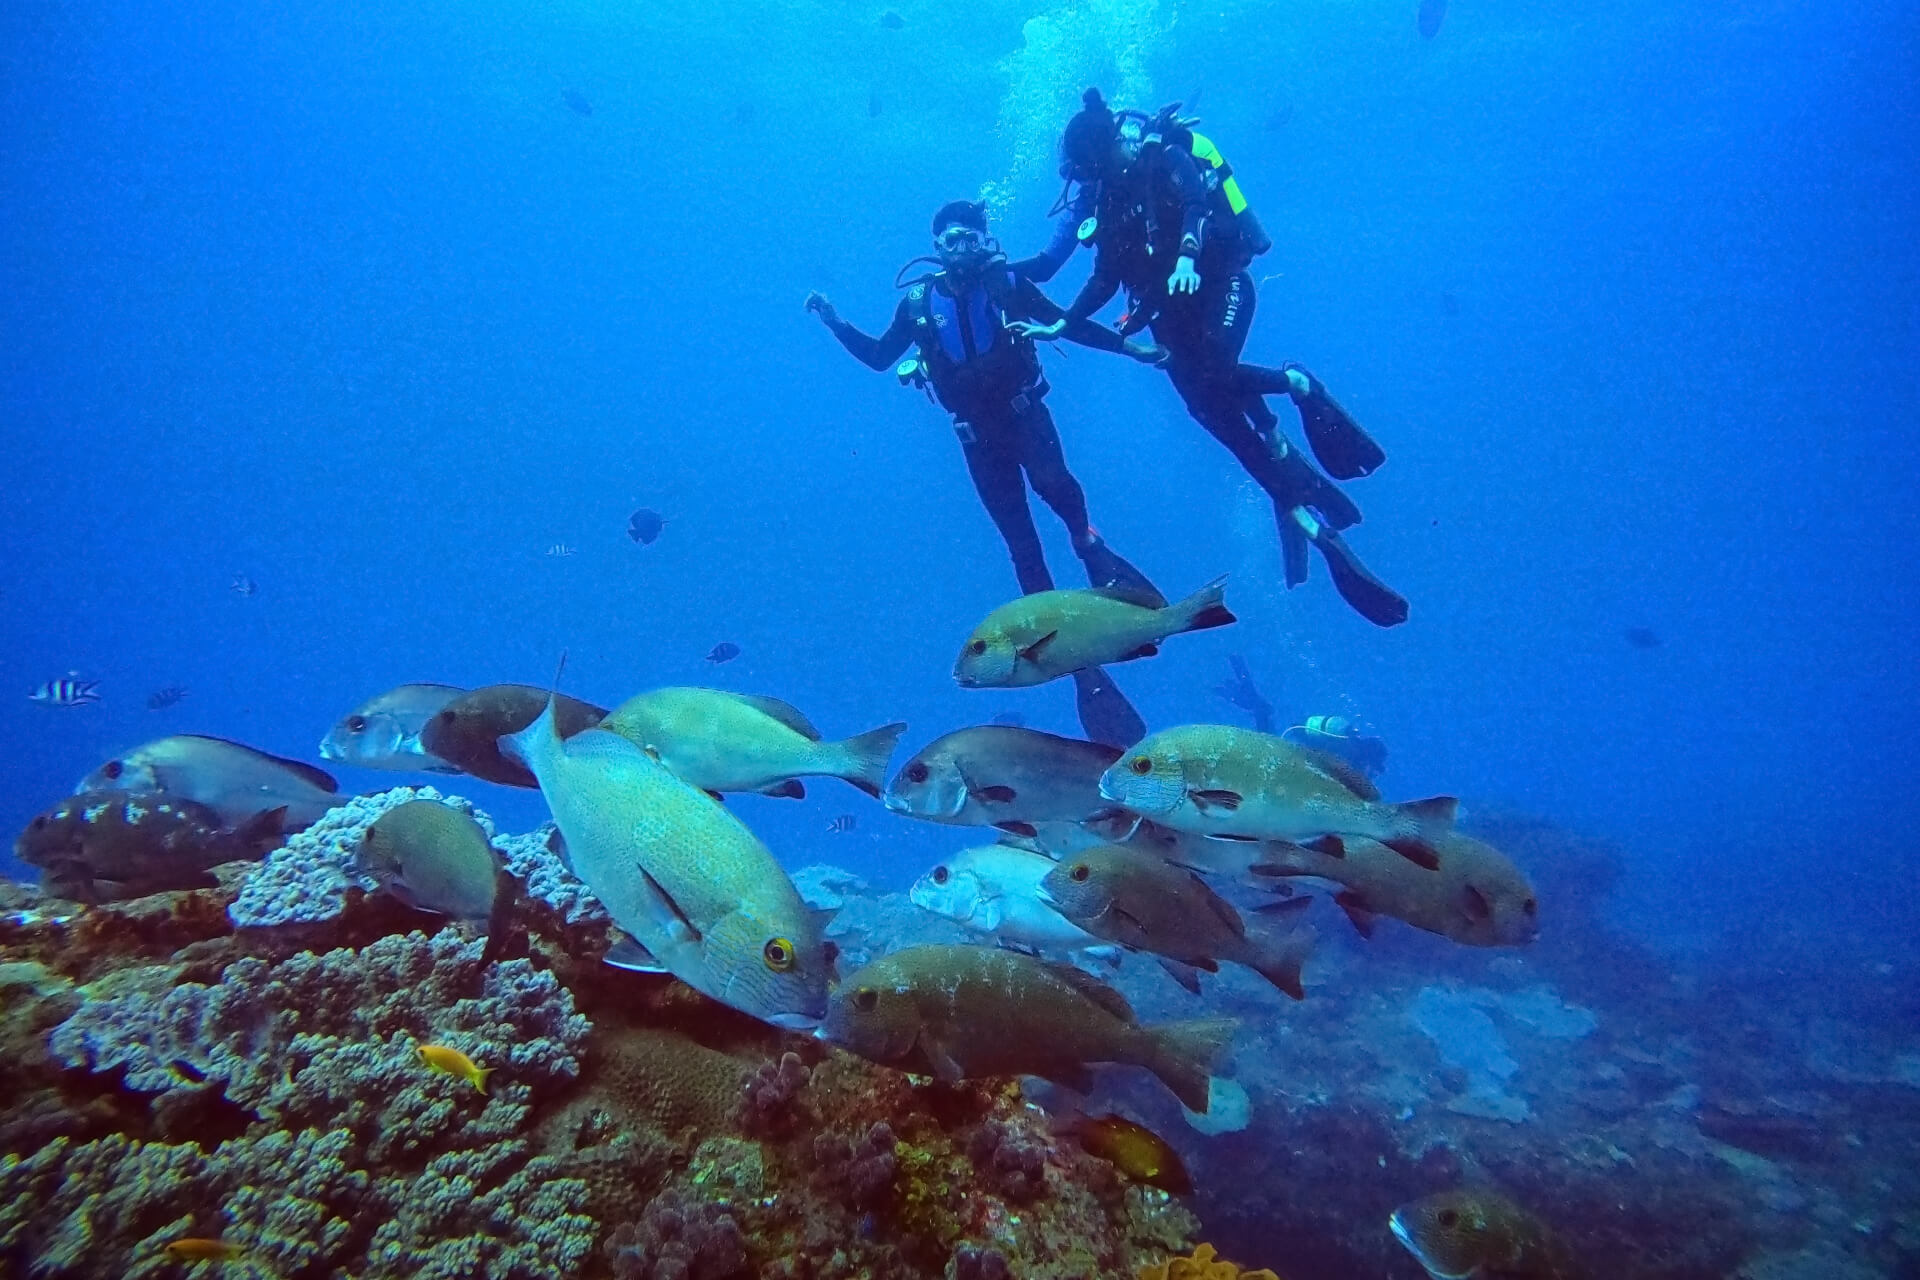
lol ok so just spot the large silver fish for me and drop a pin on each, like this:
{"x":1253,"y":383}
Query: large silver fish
{"x":384,"y":732}
{"x":235,"y":781}
{"x":720,"y":741}
{"x":995,"y":890}
{"x":1003,"y":776}
{"x":680,"y":873}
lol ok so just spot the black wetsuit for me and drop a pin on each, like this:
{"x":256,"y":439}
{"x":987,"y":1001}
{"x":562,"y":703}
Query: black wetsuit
{"x":1160,"y":210}
{"x":990,"y":381}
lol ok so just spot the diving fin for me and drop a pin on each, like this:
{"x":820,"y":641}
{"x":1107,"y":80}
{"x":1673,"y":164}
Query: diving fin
{"x":1343,"y":448}
{"x":1105,"y":713}
{"x":1108,"y":568}
{"x":1294,"y":560}
{"x":1371,"y":598}
{"x":1306,"y":487}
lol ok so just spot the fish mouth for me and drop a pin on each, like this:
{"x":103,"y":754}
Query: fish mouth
{"x":895,"y":804}
{"x":1405,"y":1237}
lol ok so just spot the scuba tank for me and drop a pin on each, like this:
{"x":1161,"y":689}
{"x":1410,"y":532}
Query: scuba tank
{"x":1170,"y":128}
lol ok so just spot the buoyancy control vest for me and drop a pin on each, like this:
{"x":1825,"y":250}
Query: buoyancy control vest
{"x":966,"y":352}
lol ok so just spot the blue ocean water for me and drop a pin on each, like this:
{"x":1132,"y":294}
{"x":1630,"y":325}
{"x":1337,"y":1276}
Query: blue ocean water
{"x":375,"y":306}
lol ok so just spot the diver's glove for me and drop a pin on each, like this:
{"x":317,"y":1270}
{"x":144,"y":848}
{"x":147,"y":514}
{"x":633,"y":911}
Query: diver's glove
{"x":1184,"y":278}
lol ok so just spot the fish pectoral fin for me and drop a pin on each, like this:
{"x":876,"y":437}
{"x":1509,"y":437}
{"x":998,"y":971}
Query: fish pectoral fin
{"x":676,"y":922}
{"x":1233,"y":837}
{"x":627,"y":954}
{"x":1228,"y":801}
{"x":1147,"y":650}
{"x":1356,"y":908}
{"x":996,"y":795}
{"x":1033,"y":651}
{"x":1026,"y":829}
{"x":940,"y":1061}
{"x":1475,"y":904}
{"x":1184,"y":974}
{"x":1330,"y":845}
{"x":1008,"y":944}
{"x":717,"y":797}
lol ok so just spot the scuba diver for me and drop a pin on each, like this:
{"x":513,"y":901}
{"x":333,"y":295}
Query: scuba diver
{"x":1352,"y":740}
{"x":986,"y":373}
{"x":1243,"y":693}
{"x":1168,"y":222}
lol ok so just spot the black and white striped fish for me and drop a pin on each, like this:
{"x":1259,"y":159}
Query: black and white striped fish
{"x":68,"y":691}
{"x":843,"y":824}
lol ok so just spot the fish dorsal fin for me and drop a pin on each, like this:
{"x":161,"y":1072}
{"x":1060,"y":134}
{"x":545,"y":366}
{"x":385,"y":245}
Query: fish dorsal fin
{"x":308,"y":773}
{"x":1141,"y":597}
{"x":774,"y":709}
{"x":1093,"y":989}
{"x":1343,"y":773}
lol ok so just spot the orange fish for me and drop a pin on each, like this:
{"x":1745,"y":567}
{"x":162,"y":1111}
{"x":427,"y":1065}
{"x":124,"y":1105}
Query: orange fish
{"x":452,"y":1062}
{"x":201,"y":1249}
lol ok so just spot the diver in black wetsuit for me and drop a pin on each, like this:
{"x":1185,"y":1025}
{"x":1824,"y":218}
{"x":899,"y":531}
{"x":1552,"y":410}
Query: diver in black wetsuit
{"x":987,"y":375}
{"x":1164,"y":224}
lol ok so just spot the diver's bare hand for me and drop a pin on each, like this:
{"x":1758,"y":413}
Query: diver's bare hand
{"x":1184,"y":278}
{"x":1146,"y":352}
{"x":1044,"y":332}
{"x":818,"y":304}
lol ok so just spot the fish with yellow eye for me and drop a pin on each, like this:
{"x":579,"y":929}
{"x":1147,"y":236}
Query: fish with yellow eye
{"x":452,"y":1062}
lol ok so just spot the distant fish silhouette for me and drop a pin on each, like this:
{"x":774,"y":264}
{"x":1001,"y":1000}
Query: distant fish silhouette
{"x":242,"y":585}
{"x":171,"y":696}
{"x":843,"y":824}
{"x":576,"y":102}
{"x":644,"y":525}
{"x":725,"y":651}
{"x":1432,"y":13}
{"x":560,"y":550}
{"x":68,"y":691}
{"x":1449,"y":304}
{"x":892,"y":21}
{"x":1643,"y":637}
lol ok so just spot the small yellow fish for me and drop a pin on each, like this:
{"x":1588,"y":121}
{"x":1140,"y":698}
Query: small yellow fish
{"x":1135,"y":1150}
{"x":452,"y":1062}
{"x":201,"y":1249}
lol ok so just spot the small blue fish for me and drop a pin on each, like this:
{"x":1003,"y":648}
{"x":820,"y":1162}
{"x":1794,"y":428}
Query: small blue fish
{"x":68,"y":691}
{"x":171,"y":696}
{"x":843,"y":824}
{"x":577,"y":102}
{"x":725,"y":651}
{"x":242,"y":585}
{"x":645,"y":525}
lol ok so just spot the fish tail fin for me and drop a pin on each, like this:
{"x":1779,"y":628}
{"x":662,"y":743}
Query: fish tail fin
{"x":480,"y":1075}
{"x":1185,"y":1055}
{"x":544,"y":732}
{"x":866,"y":756}
{"x":1280,"y":958}
{"x":1418,"y":824}
{"x":1205,"y":608}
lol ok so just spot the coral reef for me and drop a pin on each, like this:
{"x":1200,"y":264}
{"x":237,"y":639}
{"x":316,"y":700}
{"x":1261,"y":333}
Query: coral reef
{"x":309,"y":879}
{"x":1202,"y":1265}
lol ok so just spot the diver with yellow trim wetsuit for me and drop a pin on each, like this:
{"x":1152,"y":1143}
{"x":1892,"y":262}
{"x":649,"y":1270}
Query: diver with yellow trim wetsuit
{"x":1168,"y":223}
{"x":983,"y":370}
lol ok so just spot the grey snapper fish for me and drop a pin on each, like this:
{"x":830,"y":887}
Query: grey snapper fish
{"x":1239,"y":784}
{"x":236,"y":781}
{"x":1003,"y":776}
{"x":435,"y":858}
{"x":719,"y":741}
{"x":1476,"y":896}
{"x":1049,"y":634}
{"x":384,"y":732}
{"x":103,"y":845}
{"x":960,"y":1013}
{"x":1138,"y":900}
{"x":680,"y":874}
{"x":995,"y":890}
